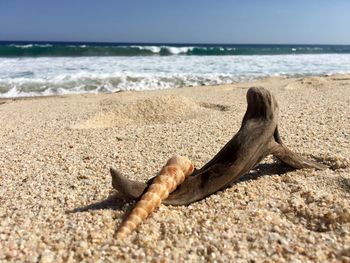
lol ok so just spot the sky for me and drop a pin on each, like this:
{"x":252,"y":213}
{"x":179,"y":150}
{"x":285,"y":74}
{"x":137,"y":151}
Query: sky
{"x":177,"y":21}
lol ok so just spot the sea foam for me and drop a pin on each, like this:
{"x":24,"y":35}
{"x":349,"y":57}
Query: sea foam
{"x":66,"y":75}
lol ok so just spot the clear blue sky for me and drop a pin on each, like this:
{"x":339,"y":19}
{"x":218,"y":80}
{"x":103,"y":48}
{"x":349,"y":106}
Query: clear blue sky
{"x":181,"y":21}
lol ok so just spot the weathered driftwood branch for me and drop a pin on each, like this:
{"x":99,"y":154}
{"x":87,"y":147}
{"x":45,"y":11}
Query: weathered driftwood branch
{"x":257,"y":138}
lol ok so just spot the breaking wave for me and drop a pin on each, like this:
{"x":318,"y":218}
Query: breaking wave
{"x":66,"y":75}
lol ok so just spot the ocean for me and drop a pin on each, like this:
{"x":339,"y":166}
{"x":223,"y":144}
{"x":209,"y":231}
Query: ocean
{"x":54,"y":68}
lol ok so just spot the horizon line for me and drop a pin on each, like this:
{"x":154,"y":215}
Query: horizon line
{"x":166,"y":43}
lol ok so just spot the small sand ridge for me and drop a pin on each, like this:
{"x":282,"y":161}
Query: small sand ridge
{"x":155,"y":110}
{"x":309,"y":82}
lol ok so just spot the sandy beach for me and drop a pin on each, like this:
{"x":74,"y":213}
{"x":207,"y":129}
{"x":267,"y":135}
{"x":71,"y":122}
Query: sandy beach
{"x":58,"y":205}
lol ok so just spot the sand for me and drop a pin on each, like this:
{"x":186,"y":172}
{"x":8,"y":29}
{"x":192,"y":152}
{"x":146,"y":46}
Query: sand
{"x":57,"y":202}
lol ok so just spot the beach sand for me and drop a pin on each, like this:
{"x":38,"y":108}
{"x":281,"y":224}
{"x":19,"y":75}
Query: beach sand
{"x":57,"y":202}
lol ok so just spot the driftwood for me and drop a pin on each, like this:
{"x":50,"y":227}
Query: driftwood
{"x":257,"y":138}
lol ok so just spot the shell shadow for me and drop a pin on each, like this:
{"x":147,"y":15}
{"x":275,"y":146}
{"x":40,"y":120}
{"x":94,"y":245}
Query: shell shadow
{"x":114,"y":202}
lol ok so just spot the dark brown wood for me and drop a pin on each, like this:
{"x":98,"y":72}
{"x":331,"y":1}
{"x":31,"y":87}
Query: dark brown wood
{"x":257,"y":138}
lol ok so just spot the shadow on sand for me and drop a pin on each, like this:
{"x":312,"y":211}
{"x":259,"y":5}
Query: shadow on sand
{"x":116,"y":201}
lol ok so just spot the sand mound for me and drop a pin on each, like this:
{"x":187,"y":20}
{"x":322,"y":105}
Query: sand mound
{"x":161,"y":109}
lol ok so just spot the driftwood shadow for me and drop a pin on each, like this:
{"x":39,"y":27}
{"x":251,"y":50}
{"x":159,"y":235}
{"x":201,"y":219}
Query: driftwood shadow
{"x":266,"y":169}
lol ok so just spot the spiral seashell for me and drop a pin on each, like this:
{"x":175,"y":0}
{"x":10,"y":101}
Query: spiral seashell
{"x":176,"y":170}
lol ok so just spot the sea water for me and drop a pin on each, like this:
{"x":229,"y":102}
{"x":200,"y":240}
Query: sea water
{"x":36,"y":69}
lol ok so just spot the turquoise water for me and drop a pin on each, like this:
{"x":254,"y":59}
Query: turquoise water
{"x":56,"y":49}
